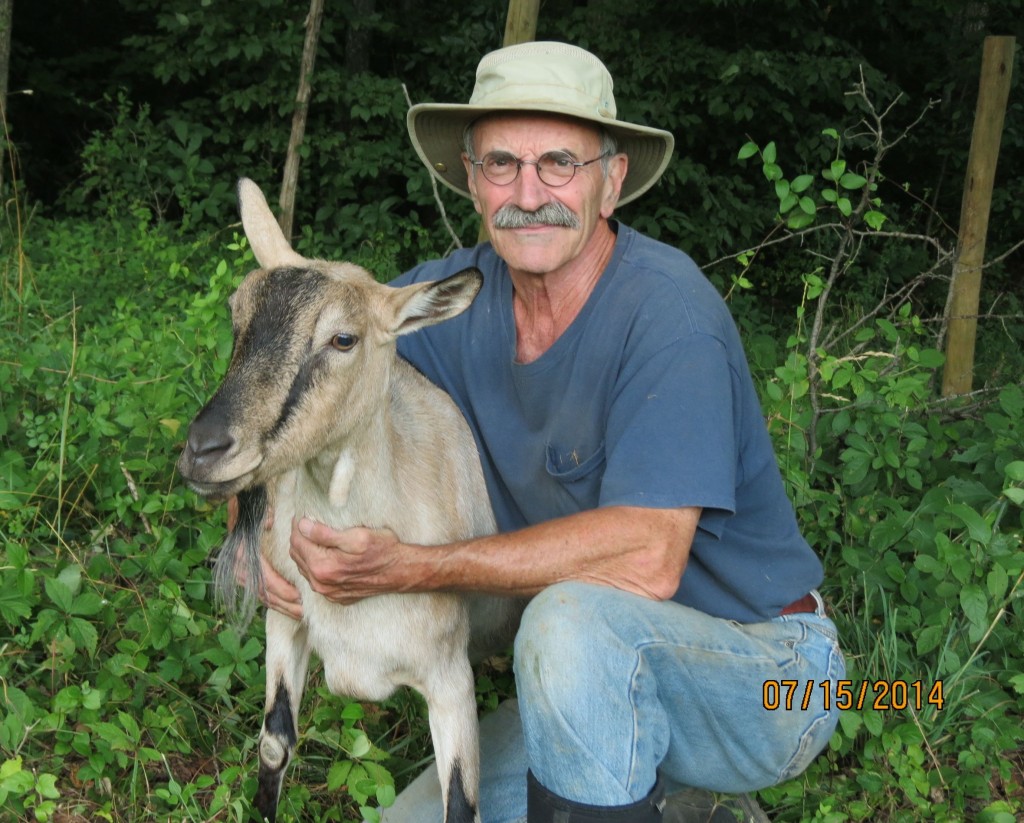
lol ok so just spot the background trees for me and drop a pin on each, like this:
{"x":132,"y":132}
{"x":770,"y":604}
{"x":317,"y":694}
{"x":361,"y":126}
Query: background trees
{"x":167,"y":102}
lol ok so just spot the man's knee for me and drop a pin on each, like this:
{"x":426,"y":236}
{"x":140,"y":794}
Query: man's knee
{"x":567,"y":630}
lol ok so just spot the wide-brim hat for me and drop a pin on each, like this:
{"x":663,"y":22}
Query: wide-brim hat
{"x":537,"y":77}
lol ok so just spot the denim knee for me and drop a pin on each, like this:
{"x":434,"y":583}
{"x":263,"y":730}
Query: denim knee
{"x":552,"y":625}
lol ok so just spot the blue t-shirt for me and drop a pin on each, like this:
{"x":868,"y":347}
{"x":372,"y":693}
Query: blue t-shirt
{"x":645,"y":400}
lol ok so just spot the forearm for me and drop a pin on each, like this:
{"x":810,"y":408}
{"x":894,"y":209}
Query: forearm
{"x":640,"y":550}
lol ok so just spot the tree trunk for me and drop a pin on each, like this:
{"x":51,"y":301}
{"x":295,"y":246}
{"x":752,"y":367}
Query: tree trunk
{"x":291,"y":164}
{"x":965,"y":289}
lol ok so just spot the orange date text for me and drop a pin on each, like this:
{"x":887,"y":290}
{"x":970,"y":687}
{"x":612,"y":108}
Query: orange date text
{"x":880,"y":695}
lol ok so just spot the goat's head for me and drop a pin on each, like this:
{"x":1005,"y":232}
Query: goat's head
{"x":314,"y":344}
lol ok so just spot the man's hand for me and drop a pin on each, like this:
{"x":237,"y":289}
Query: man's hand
{"x":349,"y":565}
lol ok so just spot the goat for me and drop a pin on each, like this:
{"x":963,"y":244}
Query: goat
{"x":318,"y":416}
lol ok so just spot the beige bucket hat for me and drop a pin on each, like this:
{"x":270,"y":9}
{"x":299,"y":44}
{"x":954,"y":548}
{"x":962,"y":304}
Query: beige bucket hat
{"x":542,"y":77}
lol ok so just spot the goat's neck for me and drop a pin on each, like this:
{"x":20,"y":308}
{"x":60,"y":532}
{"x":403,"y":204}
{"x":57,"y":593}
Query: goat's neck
{"x":333,"y":473}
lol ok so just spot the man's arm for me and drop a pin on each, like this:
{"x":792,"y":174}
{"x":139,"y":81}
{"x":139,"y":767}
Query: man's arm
{"x":638,"y":550}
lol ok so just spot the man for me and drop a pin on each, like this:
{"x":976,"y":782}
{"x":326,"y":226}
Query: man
{"x":638,"y":498}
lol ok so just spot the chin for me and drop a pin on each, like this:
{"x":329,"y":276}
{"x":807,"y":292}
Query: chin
{"x":535,"y":260}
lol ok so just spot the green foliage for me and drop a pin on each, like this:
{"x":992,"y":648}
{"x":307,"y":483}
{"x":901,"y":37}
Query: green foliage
{"x":918,"y":508}
{"x":125,"y":696}
{"x":200,"y":93}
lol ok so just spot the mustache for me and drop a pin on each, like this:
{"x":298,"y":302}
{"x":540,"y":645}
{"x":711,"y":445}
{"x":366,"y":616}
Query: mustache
{"x":550,"y":214}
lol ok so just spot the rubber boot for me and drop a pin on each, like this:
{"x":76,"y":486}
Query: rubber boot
{"x":543,"y":806}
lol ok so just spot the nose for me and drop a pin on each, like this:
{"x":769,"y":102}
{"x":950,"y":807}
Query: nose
{"x":209,"y":440}
{"x":531,"y":193}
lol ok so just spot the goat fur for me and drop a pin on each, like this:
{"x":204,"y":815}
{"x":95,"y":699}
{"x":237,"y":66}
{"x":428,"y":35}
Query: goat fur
{"x":317,"y":416}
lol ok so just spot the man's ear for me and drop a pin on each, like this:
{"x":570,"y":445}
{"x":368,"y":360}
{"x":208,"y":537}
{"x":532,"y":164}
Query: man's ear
{"x":471,"y":182}
{"x":618,"y":165}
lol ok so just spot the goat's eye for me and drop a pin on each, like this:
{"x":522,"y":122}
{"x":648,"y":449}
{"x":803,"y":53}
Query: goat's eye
{"x":344,"y":342}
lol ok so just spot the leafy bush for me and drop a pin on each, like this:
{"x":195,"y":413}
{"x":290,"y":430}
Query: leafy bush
{"x":917,"y":504}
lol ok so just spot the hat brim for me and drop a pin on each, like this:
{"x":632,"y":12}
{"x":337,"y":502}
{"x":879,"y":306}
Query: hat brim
{"x":437,"y":130}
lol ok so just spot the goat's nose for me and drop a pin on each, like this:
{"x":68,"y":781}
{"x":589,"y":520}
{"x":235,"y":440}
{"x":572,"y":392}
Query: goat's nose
{"x":209,"y":440}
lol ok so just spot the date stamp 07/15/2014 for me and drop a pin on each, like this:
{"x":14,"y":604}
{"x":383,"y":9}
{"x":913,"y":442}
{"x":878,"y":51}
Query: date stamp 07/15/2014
{"x":880,"y":695}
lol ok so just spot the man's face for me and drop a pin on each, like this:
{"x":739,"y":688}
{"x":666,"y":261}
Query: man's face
{"x":590,"y":195}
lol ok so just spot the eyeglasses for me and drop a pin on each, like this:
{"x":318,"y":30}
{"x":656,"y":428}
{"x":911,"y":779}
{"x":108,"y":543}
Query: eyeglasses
{"x":554,"y":168}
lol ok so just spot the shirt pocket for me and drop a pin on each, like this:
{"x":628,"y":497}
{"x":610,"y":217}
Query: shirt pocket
{"x":579,"y":474}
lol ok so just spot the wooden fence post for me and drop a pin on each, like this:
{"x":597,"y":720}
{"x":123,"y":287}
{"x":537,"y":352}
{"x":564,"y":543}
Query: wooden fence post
{"x":965,"y":289}
{"x":521,"y":22}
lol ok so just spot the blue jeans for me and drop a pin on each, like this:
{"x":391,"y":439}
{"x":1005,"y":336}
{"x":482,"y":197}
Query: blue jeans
{"x":615,"y":688}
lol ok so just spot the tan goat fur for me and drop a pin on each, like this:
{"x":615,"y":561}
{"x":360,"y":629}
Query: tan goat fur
{"x":317,"y":408}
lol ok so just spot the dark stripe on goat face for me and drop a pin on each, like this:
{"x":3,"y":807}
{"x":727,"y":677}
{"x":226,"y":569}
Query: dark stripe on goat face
{"x":304,"y":379}
{"x":278,"y":302}
{"x":277,"y":334}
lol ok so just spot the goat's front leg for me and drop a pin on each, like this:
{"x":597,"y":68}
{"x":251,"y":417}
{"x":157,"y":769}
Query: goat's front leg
{"x":451,"y":703}
{"x":287,"y":661}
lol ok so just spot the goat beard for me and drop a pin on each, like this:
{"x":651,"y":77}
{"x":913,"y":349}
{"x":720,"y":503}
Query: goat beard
{"x":550,"y":214}
{"x":242,"y":545}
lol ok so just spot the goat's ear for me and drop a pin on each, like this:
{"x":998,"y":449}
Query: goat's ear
{"x":424,"y":304}
{"x":265,"y":237}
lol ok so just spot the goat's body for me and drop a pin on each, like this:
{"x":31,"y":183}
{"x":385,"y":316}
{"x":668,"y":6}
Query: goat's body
{"x":317,"y":408}
{"x":372,"y":647}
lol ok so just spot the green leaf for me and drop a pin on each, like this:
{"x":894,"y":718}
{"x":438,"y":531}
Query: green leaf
{"x":801,"y":183}
{"x":928,"y":639}
{"x":1014,"y":471}
{"x":799,"y":220}
{"x":787,"y":203}
{"x":770,"y":153}
{"x":929,"y":565}
{"x":59,"y":593}
{"x":84,"y":634}
{"x":852,"y":181}
{"x":71,"y":576}
{"x":875,"y":219}
{"x":360,"y":746}
{"x":87,"y":604}
{"x":886,"y":533}
{"x":997,"y":582}
{"x":386,"y":795}
{"x":747,"y":150}
{"x":974,"y":603}
{"x":977,"y":528}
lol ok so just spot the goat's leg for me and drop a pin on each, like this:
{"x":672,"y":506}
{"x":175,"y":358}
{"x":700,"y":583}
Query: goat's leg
{"x":451,"y":702}
{"x":287,"y":661}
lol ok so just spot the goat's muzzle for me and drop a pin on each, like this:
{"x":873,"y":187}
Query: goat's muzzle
{"x":208,"y":455}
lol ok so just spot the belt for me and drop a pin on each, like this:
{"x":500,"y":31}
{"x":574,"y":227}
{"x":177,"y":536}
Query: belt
{"x":807,"y":603}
